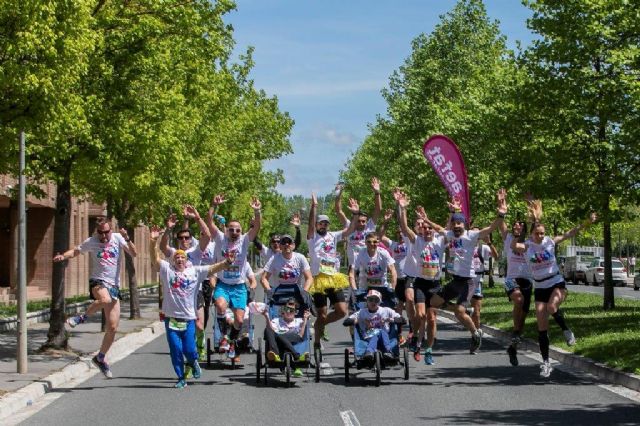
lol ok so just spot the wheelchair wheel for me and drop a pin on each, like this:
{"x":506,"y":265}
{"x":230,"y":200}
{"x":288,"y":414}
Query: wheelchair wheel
{"x":208,"y":352}
{"x":405,"y":357}
{"x":258,"y":360}
{"x":347,"y":361}
{"x":378,"y":367}
{"x":287,"y":368}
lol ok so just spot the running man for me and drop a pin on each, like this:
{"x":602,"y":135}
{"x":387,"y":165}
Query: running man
{"x":372,"y":265}
{"x":104,"y":282}
{"x":328,"y":283}
{"x":551,"y":290}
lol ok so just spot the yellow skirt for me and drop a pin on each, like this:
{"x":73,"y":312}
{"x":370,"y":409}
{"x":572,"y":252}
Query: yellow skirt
{"x":323,"y":282}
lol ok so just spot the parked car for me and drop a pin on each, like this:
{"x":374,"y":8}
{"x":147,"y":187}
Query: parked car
{"x":575,"y":268}
{"x":595,"y":272}
{"x":636,"y":282}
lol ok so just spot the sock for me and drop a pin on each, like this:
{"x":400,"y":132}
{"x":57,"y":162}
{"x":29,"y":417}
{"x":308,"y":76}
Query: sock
{"x":543,"y":341}
{"x":559,"y":318}
{"x":101,"y":356}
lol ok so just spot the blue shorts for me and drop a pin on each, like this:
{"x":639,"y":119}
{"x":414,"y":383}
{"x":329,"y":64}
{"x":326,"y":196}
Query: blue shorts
{"x":234,"y":294}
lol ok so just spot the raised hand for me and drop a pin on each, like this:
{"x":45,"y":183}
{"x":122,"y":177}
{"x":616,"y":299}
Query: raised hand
{"x":455,"y":205}
{"x":422,"y":214}
{"x":255,"y":203}
{"x":375,"y":185}
{"x":314,"y":199}
{"x":402,"y":200}
{"x":171,"y":221}
{"x":397,"y":193}
{"x":154,"y":232}
{"x":189,"y":212}
{"x":388,"y":214}
{"x":218,"y":199}
{"x":354,"y":207}
{"x":338,"y":189}
{"x":295,"y":220}
{"x":501,"y":201}
{"x":124,"y":233}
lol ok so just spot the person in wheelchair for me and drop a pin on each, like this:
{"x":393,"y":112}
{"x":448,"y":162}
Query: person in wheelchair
{"x":372,"y":323}
{"x":283,"y":332}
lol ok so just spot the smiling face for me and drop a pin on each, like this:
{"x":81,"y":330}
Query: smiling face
{"x":538,"y":233}
{"x":104,"y":232}
{"x":417,"y":226}
{"x":361,"y":223}
{"x":322,"y":227}
{"x":179,"y":261}
{"x":286,"y":247}
{"x":184,"y":240}
{"x":516,"y":229}
{"x":427,"y":231}
{"x":234,"y":230}
{"x":458,"y":228}
{"x":372,"y":243}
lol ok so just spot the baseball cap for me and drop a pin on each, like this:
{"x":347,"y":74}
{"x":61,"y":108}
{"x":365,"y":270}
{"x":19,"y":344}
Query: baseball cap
{"x":286,"y":237}
{"x":374,"y":293}
{"x":458,"y":217}
{"x":322,"y":218}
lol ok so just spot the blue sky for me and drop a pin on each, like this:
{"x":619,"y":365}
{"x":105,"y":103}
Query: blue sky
{"x":327,"y":62}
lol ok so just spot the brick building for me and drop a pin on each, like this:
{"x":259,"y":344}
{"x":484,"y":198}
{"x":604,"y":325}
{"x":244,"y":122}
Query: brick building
{"x":40,"y":221}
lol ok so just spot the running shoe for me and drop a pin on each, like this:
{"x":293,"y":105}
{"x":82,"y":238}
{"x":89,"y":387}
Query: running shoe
{"x":569,"y":337}
{"x":224,"y":344}
{"x":476,"y":342}
{"x":103,"y":366}
{"x":236,"y":359}
{"x":272,"y":356}
{"x":202,"y":354}
{"x":188,"y":372}
{"x":513,"y":355}
{"x":298,"y":372}
{"x":180,"y":384}
{"x":197,"y":371}
{"x":303,"y":357}
{"x":389,"y":356}
{"x":231,"y":352}
{"x":515,"y":341}
{"x":428,"y":357}
{"x":75,"y":320}
{"x":545,"y":369}
{"x":416,"y":356}
{"x":368,"y":356}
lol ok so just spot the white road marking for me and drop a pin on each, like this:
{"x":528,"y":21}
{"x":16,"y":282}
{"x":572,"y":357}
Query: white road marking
{"x":349,"y":418}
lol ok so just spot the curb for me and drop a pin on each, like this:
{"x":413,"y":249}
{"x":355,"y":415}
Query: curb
{"x":11,"y":323}
{"x":602,"y":371}
{"x":122,"y":347}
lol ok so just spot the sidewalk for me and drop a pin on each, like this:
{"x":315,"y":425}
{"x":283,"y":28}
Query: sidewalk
{"x":85,"y":339}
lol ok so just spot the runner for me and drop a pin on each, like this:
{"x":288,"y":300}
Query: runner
{"x":328,"y":283}
{"x":200,"y":254}
{"x":550,"y":289}
{"x":372,"y":265}
{"x":180,"y":282}
{"x":230,"y":290}
{"x":481,"y":253}
{"x":427,"y":249}
{"x":104,"y":282}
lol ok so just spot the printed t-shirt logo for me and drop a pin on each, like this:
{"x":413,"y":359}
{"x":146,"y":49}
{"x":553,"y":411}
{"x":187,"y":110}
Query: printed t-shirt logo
{"x":108,"y":254}
{"x":430,"y":262}
{"x":288,"y":273}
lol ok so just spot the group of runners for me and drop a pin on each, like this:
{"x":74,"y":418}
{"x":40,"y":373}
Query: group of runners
{"x":404,"y":272}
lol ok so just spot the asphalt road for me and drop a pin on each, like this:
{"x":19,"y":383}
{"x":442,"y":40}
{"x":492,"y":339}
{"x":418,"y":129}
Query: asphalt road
{"x":460,"y":389}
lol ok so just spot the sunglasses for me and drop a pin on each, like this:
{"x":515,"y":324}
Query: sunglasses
{"x":275,"y":241}
{"x":373,"y":241}
{"x":104,"y":232}
{"x":373,"y":299}
{"x":288,"y":309}
{"x":234,"y":230}
{"x":184,"y":237}
{"x":285,"y":242}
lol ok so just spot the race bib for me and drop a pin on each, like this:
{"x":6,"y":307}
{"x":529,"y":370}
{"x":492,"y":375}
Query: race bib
{"x":328,"y":266}
{"x":374,"y":282}
{"x":177,"y":325}
{"x":430,"y":270}
{"x":233,"y":273}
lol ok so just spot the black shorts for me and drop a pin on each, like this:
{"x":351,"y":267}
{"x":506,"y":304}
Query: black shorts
{"x":525,"y":286}
{"x":423,"y":289}
{"x":457,"y":288}
{"x":334,"y":296}
{"x":400,"y":287}
{"x":114,"y":291}
{"x":543,"y":294}
{"x":200,"y":300}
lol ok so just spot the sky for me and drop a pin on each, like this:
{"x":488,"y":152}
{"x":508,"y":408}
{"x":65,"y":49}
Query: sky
{"x":327,"y":62}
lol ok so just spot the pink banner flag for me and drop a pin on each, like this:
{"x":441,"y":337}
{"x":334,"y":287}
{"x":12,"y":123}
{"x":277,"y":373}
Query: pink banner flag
{"x":446,"y":160}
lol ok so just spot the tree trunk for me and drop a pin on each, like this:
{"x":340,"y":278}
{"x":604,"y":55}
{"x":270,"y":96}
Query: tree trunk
{"x":134,"y":297}
{"x":57,"y":336}
{"x":609,"y":300}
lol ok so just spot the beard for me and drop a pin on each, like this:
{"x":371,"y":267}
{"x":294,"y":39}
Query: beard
{"x":321,"y":232}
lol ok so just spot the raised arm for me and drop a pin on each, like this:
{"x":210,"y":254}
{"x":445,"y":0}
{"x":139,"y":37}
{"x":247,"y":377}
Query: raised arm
{"x":311,"y":230}
{"x":164,"y":241}
{"x":377,"y":199}
{"x":402,"y":202}
{"x":129,"y":247}
{"x":422,"y":214}
{"x":215,"y":203}
{"x":155,"y":251}
{"x":382,"y":230}
{"x":257,"y":218}
{"x":354,"y":208}
{"x":572,"y":233}
{"x":337,"y":205}
{"x":501,"y":210}
{"x":295,"y":221}
{"x":205,"y":233}
{"x":501,"y":199}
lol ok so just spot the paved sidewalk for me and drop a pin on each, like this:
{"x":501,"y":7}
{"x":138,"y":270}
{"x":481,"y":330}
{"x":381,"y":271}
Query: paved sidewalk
{"x":85,"y":339}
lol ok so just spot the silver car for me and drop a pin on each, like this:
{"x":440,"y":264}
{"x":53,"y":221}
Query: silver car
{"x":595,"y":272}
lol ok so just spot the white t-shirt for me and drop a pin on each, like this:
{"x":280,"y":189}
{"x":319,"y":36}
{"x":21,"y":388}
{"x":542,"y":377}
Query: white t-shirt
{"x":180,"y":289}
{"x":410,"y":269}
{"x":477,"y":265}
{"x":266,"y":254}
{"x":280,"y":326}
{"x":373,"y":269}
{"x":461,"y":252}
{"x":516,"y":262}
{"x":355,"y":241}
{"x":105,"y":259}
{"x":399,"y":250}
{"x":322,"y":252}
{"x":542,"y":263}
{"x":370,"y":320}
{"x":428,"y":256}
{"x":287,"y":271}
{"x":236,"y":274}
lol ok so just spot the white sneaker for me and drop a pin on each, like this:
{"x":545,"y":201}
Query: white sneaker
{"x":545,"y":369}
{"x":569,"y":337}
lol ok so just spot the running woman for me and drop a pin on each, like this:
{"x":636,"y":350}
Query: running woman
{"x":180,"y":282}
{"x":104,"y":282}
{"x":427,"y":249}
{"x":551,"y":290}
{"x":230,"y":290}
{"x":328,"y":283}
